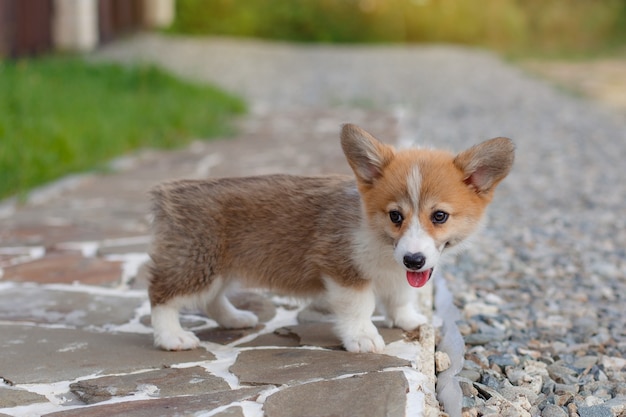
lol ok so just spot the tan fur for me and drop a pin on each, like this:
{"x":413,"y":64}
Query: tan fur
{"x":279,"y":232}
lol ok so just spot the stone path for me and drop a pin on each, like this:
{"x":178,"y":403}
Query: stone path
{"x":74,"y":317}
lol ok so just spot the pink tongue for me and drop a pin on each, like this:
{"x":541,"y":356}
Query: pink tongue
{"x":418,"y":279}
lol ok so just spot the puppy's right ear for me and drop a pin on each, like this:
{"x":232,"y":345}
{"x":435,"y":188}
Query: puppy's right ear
{"x":366,"y":155}
{"x":486,"y":164}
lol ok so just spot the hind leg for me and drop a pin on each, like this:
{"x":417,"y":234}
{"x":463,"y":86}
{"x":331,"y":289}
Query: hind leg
{"x":227,"y":315}
{"x":168,"y":334}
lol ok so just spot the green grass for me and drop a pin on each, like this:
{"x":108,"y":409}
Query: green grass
{"x":63,"y":115}
{"x":516,"y":27}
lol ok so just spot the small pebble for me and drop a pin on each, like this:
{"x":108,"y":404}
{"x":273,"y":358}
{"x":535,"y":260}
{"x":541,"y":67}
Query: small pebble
{"x":469,"y":374}
{"x":551,"y":410}
{"x":503,"y":360}
{"x":562,"y":374}
{"x":565,"y":389}
{"x":595,"y":411}
{"x":563,"y":399}
{"x":442,"y":361}
{"x":613,"y":363}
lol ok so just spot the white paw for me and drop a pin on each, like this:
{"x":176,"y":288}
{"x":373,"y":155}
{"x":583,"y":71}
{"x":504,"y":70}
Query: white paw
{"x":181,"y":340}
{"x":411,"y":321}
{"x":365,"y":343}
{"x":239,"y":319}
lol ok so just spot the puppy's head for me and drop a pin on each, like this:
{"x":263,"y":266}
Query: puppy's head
{"x":424,"y":202}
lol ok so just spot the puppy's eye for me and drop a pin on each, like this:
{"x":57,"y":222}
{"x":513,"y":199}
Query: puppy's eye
{"x":396,"y":217}
{"x":439,"y":217}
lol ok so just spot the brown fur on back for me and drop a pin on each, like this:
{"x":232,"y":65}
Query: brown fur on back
{"x":278,"y":231}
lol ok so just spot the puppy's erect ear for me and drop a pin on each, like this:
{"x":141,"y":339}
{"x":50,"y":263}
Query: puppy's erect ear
{"x":366,"y":155}
{"x":486,"y":164}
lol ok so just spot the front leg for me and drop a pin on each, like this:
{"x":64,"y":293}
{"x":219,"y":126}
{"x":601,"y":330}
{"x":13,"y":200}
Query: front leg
{"x":354,"y":308}
{"x":400,"y":304}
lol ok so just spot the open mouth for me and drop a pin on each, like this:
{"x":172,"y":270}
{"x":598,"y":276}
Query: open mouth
{"x":418,"y":279}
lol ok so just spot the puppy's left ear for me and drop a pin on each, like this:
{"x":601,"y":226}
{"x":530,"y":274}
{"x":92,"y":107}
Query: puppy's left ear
{"x":366,"y":155}
{"x":486,"y":164}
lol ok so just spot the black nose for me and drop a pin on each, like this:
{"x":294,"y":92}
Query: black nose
{"x":414,"y":261}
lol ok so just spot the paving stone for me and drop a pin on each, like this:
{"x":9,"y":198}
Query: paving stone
{"x":66,"y":267}
{"x":226,"y":336}
{"x":71,"y":308}
{"x":313,"y":334}
{"x":322,"y":334}
{"x":376,"y":394}
{"x":14,"y":255}
{"x":168,"y":382}
{"x":164,"y":407}
{"x":289,"y":366}
{"x":123,"y":249}
{"x":259,"y":304}
{"x":316,"y":334}
{"x":57,"y":354}
{"x":230,"y":412}
{"x":12,"y":397}
{"x":35,"y":231}
{"x":279,"y":339}
{"x":316,"y":312}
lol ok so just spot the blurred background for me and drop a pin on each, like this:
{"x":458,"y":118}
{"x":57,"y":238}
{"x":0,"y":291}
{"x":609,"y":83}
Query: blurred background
{"x":550,"y":27}
{"x":527,"y":27}
{"x":47,"y":79}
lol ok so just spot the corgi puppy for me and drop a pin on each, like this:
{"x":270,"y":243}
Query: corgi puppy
{"x":352,"y":242}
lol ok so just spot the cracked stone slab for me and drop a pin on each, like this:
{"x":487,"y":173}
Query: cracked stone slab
{"x":56,"y":354}
{"x":226,"y":336}
{"x":31,"y":229}
{"x":276,"y":338}
{"x":313,"y":334}
{"x":65,"y":268}
{"x":123,"y":249}
{"x":165,"y":407}
{"x":168,"y":382}
{"x":260,"y":305}
{"x":230,"y":412}
{"x":322,"y":335}
{"x":378,"y":394}
{"x":71,"y":308}
{"x":12,"y":397}
{"x":289,"y":366}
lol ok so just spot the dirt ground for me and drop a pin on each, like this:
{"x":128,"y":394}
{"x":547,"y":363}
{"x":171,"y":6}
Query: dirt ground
{"x":603,"y":79}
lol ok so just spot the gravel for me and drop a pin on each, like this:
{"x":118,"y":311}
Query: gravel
{"x":542,"y":290}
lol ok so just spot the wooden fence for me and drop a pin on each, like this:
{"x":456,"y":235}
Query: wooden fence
{"x":26,"y":25}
